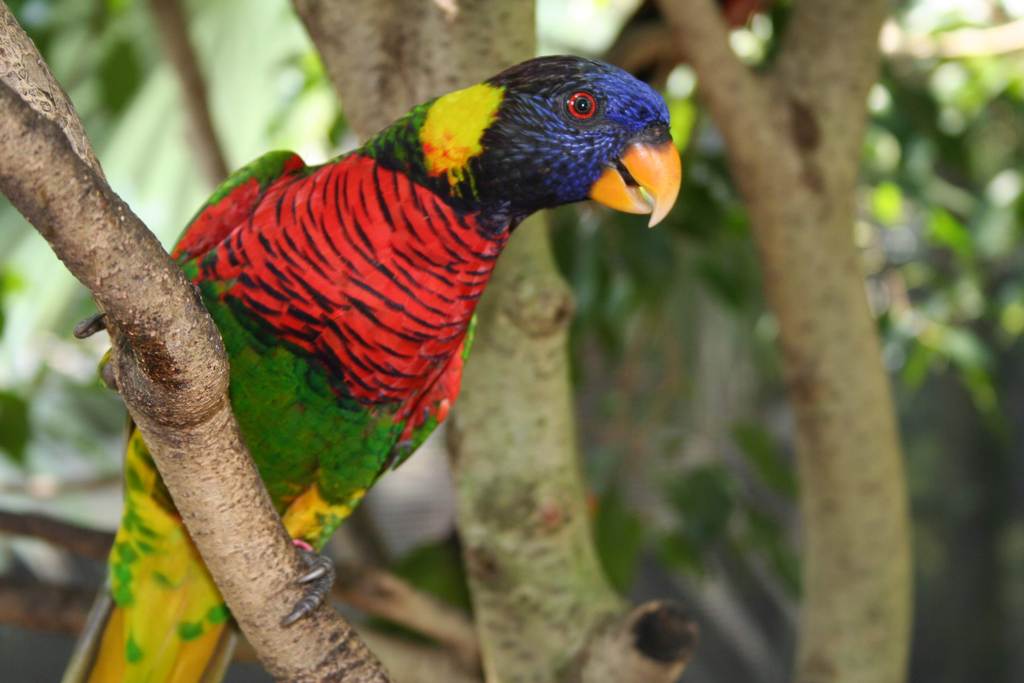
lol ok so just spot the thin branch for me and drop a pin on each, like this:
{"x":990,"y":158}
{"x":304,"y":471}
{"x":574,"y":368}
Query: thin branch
{"x":374,"y":591}
{"x":80,"y":540}
{"x":737,"y":97}
{"x":46,"y":487}
{"x":646,"y":47}
{"x":990,"y":41}
{"x":387,"y":596}
{"x":171,"y":371}
{"x":44,"y":607}
{"x":49,"y":608}
{"x":416,"y":663}
{"x":171,"y":22}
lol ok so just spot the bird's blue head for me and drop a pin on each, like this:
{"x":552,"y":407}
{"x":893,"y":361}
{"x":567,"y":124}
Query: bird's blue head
{"x":551,"y":131}
{"x":567,"y":128}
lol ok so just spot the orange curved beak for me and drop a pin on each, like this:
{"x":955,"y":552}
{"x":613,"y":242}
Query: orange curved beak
{"x":645,"y":180}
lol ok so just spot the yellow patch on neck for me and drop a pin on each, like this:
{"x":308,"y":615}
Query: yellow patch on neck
{"x":455,"y":123}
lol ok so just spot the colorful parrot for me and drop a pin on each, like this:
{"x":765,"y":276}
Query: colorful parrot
{"x":345,"y":294}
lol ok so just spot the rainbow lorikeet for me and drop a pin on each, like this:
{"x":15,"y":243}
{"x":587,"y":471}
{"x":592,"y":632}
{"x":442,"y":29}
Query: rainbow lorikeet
{"x":345,"y":294}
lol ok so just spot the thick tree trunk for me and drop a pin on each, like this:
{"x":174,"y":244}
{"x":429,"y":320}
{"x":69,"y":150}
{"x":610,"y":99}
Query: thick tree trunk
{"x":794,"y":137}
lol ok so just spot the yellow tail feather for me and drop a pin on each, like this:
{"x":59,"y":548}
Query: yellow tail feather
{"x":166,"y":622}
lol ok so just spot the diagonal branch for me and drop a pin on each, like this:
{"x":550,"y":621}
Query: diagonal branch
{"x":738,"y":98}
{"x":171,"y":370}
{"x":382,"y":594}
{"x":171,"y":22}
{"x":43,"y":607}
{"x":22,"y":68}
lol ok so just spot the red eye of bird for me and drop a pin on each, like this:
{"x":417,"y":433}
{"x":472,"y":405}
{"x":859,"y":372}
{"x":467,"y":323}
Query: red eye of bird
{"x":582,"y":105}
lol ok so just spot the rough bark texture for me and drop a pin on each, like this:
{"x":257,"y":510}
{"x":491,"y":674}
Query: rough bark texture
{"x":794,"y":136}
{"x":538,"y":587}
{"x":539,"y":592}
{"x":171,"y":370}
{"x":23,"y":70}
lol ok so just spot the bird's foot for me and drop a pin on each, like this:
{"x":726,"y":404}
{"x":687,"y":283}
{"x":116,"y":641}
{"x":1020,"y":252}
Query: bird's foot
{"x":317,"y":580}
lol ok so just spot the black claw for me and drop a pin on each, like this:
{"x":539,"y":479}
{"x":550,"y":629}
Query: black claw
{"x":303,"y":608}
{"x":90,"y":326}
{"x":318,"y":581}
{"x":317,"y":572}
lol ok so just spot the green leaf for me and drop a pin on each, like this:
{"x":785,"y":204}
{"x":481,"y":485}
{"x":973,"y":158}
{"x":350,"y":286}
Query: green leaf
{"x":766,"y":535}
{"x":14,"y":426}
{"x":704,"y":499}
{"x":947,"y":231}
{"x":887,"y":203}
{"x":683,"y":116}
{"x":618,"y":533}
{"x":680,"y":553}
{"x":919,"y":362}
{"x":120,"y":76}
{"x":730,"y":285}
{"x":960,"y":345}
{"x":767,"y":458}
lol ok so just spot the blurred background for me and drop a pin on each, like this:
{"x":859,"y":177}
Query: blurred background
{"x":684,"y":428}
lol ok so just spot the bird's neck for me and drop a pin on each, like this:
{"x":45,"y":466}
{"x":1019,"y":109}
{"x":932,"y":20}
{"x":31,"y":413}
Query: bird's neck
{"x":438,"y":144}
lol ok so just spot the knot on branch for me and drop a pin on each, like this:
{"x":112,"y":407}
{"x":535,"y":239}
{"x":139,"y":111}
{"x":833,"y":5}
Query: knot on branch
{"x":149,"y":379}
{"x":652,"y":643}
{"x":662,"y":631}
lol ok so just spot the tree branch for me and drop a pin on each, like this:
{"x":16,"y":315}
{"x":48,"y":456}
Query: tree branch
{"x":44,"y":607}
{"x":373,"y":591}
{"x":386,"y":57}
{"x":653,"y":642}
{"x":170,"y":20}
{"x":171,"y":370}
{"x":23,"y":70}
{"x":412,"y":662}
{"x":382,"y":594}
{"x":956,"y":44}
{"x":795,"y":156}
{"x":80,"y":540}
{"x":738,"y":98}
{"x":828,"y":60}
{"x":65,"y":609}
